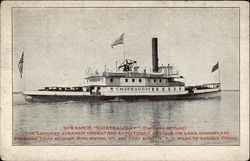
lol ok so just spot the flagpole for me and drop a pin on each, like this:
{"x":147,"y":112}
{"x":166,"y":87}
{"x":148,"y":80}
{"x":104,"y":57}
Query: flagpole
{"x":116,"y":68}
{"x":219,"y":71}
{"x":23,"y":74}
{"x":124,"y":47}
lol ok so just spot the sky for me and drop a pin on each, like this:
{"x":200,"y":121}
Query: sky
{"x":59,"y":44}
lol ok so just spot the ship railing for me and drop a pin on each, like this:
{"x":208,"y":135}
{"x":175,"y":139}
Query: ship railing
{"x":75,"y":89}
{"x":124,"y":74}
{"x":137,"y":74}
{"x":204,"y":86}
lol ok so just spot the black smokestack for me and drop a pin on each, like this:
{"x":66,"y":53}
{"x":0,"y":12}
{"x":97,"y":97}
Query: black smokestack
{"x":155,"y":54}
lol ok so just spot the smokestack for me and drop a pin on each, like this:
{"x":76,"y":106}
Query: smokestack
{"x":155,"y":54}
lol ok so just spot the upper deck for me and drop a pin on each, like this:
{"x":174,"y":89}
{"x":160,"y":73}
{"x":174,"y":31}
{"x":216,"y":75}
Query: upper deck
{"x":166,"y":77}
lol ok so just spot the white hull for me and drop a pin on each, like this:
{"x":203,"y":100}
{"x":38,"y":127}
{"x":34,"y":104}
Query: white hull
{"x":120,"y":93}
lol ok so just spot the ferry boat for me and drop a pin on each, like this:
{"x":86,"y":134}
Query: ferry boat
{"x":163,"y":83}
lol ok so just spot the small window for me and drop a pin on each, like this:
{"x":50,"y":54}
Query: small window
{"x":154,"y":80}
{"x":152,"y":89}
{"x":139,"y":80}
{"x":133,"y":80}
{"x":160,"y":80}
{"x":156,"y":89}
{"x":126,"y":80}
{"x":168,"y":88}
{"x":166,"y":80}
{"x":111,"y":80}
{"x":111,"y":89}
{"x":180,"y":88}
{"x":162,"y":89}
{"x":174,"y":88}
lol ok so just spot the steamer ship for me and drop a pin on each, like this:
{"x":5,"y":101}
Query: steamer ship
{"x":163,"y":83}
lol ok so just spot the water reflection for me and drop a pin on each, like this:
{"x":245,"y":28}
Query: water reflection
{"x":197,"y":115}
{"x":156,"y":117}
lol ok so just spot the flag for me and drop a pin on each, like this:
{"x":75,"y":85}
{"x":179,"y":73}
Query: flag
{"x":20,"y":65}
{"x":118,"y":41}
{"x":215,"y":67}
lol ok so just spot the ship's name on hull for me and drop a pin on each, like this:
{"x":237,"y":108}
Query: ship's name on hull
{"x":139,"y":88}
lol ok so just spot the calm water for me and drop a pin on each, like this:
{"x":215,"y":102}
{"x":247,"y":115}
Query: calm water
{"x":220,"y":114}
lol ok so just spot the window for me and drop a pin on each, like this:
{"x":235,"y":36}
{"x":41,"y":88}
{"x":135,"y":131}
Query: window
{"x":163,"y":89}
{"x":139,"y":80}
{"x":126,"y":80}
{"x":174,"y":88}
{"x":160,"y":80}
{"x":180,"y":88}
{"x":152,"y":89}
{"x":168,"y":88}
{"x":156,"y":89}
{"x":111,"y":89}
{"x":133,"y":80}
{"x":111,"y":80}
{"x":154,"y":80}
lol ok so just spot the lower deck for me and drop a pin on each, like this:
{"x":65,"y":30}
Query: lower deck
{"x":107,"y":93}
{"x":54,"y":98}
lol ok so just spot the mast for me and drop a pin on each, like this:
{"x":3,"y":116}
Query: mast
{"x":23,"y":74}
{"x":116,"y":68}
{"x":219,"y":71}
{"x":124,"y":47}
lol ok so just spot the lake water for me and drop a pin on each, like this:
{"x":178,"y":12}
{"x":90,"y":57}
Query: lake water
{"x":213,"y":121}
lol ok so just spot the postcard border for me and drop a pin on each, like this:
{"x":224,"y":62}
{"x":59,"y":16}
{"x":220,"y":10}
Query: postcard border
{"x":123,"y":7}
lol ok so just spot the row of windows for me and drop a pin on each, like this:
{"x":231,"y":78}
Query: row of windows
{"x":160,"y":80}
{"x":149,"y":80}
{"x":95,"y":80}
{"x":133,"y":80}
{"x":126,"y":80}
